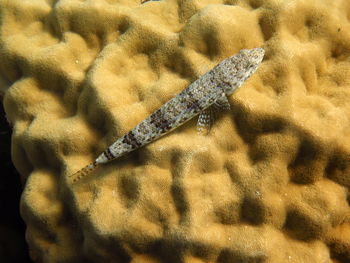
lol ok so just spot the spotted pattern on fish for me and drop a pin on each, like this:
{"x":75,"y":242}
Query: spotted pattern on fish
{"x":211,"y":88}
{"x":131,"y":140}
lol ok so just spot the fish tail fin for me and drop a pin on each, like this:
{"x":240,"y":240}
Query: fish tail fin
{"x":83,"y":172}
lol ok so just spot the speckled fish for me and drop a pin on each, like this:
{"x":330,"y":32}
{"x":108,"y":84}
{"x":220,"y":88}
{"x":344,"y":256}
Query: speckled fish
{"x":207,"y":92}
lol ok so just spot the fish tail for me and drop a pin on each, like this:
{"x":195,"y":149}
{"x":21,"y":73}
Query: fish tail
{"x":84,"y":171}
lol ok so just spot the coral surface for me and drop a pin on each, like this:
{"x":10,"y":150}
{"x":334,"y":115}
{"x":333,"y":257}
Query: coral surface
{"x":271,"y":181}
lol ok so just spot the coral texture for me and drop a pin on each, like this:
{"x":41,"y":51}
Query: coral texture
{"x":271,"y":181}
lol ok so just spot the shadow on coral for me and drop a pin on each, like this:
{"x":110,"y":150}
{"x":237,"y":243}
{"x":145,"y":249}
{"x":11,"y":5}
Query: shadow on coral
{"x":13,"y":247}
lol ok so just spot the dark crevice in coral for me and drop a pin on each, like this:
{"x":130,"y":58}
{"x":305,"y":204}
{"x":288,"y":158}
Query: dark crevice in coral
{"x":13,"y":247}
{"x":252,"y":211}
{"x":337,"y":167}
{"x":255,"y":4}
{"x":169,"y":249}
{"x":129,"y":187}
{"x":302,"y":170}
{"x":230,"y":255}
{"x":301,"y":227}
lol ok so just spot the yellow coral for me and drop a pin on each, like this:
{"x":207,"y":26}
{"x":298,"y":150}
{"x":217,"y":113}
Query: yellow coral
{"x":269,"y":184}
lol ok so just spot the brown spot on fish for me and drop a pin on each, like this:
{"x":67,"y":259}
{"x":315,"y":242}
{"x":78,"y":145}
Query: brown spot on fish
{"x":130,"y":139}
{"x":108,"y":154}
{"x":161,"y":123}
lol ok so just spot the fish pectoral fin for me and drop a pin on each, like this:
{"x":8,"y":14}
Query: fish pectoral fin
{"x":206,"y":120}
{"x":207,"y":117}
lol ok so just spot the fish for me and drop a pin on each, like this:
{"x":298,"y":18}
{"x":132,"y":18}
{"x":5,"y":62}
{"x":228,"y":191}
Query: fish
{"x":208,"y":92}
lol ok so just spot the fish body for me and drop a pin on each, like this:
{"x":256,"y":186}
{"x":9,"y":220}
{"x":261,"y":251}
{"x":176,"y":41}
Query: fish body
{"x":212,"y":88}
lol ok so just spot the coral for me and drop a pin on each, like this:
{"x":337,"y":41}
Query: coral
{"x":270,"y":183}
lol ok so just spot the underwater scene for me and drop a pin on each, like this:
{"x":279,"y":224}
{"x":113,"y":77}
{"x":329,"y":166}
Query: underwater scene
{"x":175,"y":131}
